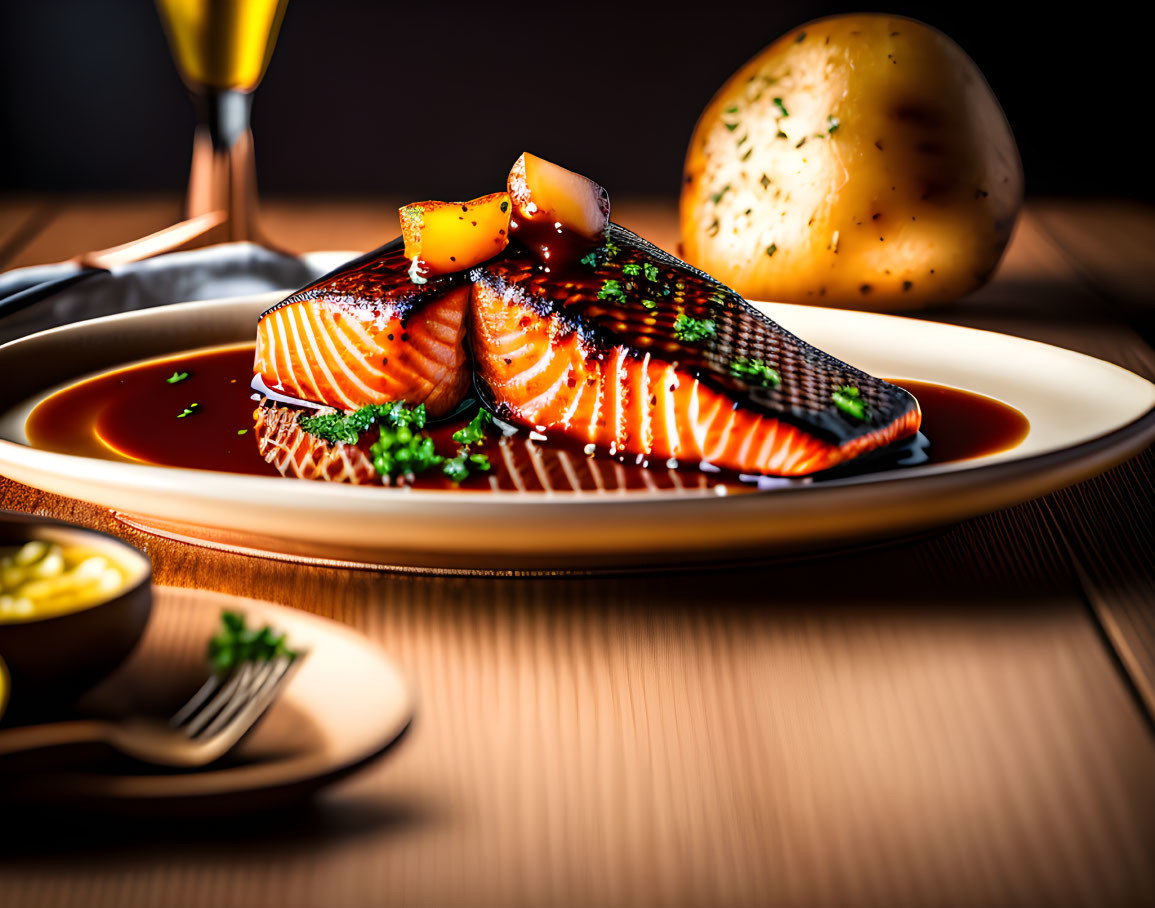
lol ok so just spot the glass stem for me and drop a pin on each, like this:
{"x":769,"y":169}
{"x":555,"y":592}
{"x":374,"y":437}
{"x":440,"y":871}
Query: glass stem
{"x":223,"y":174}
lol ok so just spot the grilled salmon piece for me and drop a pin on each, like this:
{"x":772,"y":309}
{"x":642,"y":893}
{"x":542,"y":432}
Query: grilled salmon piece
{"x":367,"y":335}
{"x":638,"y":353}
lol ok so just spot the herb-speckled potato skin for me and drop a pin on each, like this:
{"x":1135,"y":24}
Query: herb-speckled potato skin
{"x":859,"y":161}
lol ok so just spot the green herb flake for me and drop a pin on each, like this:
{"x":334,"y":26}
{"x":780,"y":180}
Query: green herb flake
{"x":234,"y":644}
{"x":732,"y":108}
{"x":771,"y":249}
{"x":474,"y":433}
{"x":755,"y":372}
{"x":177,"y":377}
{"x":459,"y":468}
{"x":801,"y":37}
{"x":595,"y":258}
{"x":717,"y":197}
{"x":832,"y":124}
{"x":781,"y":107}
{"x":693,"y":330}
{"x":188,"y":411}
{"x":633,"y":269}
{"x":649,"y":304}
{"x":849,"y":400}
{"x":242,"y":431}
{"x":612,"y":290}
{"x":651,"y":271}
{"x":731,"y":126}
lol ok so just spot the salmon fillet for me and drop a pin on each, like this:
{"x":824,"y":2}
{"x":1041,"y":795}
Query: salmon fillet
{"x":600,"y":355}
{"x":364,"y":337}
{"x":631,"y":350}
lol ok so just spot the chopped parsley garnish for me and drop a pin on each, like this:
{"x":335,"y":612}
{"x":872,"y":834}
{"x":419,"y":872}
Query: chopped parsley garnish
{"x":732,"y":109}
{"x":633,"y":269}
{"x":692,"y":330}
{"x":399,"y":452}
{"x":458,"y":468}
{"x":177,"y":377}
{"x":731,"y":126}
{"x":234,"y":644}
{"x":612,"y":291}
{"x":717,"y":197}
{"x":649,"y":304}
{"x":801,"y":37}
{"x":402,"y":449}
{"x":188,"y":411}
{"x":755,"y":372}
{"x":474,"y":432}
{"x":772,"y":248}
{"x":849,"y":400}
{"x":781,"y":107}
{"x":651,"y":271}
{"x":242,"y":431}
{"x":346,"y":428}
{"x":832,"y":123}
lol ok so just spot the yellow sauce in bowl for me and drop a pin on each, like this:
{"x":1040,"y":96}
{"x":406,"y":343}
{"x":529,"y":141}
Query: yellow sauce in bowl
{"x":42,"y":578}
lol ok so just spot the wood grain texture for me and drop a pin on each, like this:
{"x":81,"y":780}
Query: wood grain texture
{"x":96,"y":222}
{"x":21,"y":220}
{"x":937,"y":722}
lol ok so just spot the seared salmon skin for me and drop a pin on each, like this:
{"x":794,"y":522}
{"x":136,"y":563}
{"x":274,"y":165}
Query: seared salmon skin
{"x":637,"y":353}
{"x":367,"y":335}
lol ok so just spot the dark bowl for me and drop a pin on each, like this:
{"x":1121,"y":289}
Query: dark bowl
{"x":53,"y":660}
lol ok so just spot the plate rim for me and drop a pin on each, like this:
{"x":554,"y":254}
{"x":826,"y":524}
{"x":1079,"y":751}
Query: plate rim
{"x":409,"y":524}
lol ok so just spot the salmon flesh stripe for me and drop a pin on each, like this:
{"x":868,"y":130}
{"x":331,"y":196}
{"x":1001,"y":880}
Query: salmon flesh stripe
{"x":630,"y":350}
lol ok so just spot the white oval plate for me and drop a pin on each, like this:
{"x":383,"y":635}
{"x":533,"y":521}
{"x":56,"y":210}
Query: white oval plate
{"x":1086,"y":415}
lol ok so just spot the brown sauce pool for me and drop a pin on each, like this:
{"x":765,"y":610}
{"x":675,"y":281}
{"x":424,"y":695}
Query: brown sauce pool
{"x":205,"y":421}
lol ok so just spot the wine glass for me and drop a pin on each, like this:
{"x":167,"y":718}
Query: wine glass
{"x":222,"y":48}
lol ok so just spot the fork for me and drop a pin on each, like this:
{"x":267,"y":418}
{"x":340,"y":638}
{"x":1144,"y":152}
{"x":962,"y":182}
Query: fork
{"x":203,"y":730}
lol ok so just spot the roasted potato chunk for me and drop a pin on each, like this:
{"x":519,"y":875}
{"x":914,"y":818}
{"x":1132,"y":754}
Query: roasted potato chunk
{"x":443,"y":237}
{"x":548,"y":198}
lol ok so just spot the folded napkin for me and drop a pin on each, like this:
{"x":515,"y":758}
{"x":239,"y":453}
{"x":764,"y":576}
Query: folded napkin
{"x":230,"y":269}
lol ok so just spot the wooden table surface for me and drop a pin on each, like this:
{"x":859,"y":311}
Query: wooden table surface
{"x":966,"y":718}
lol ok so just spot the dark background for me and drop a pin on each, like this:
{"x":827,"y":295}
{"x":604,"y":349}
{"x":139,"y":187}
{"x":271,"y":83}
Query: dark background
{"x":438,"y":98}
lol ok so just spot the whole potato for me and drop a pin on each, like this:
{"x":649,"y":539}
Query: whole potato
{"x":857,"y":161}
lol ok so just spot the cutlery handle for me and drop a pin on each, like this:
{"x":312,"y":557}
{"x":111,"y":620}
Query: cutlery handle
{"x":29,"y":738}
